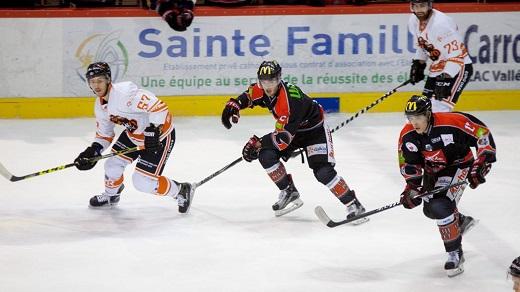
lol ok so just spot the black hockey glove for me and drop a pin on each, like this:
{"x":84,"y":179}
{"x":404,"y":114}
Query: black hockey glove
{"x":231,"y":111}
{"x":83,"y":161}
{"x":443,"y":86}
{"x":478,"y":172}
{"x":251,"y":149}
{"x":152,"y":142}
{"x":417,"y":71}
{"x":408,"y":196}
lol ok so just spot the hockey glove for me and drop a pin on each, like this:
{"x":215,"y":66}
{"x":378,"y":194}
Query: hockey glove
{"x":152,"y":142}
{"x":83,"y":161}
{"x":251,"y":149}
{"x":417,"y":71}
{"x":231,"y":111}
{"x":443,"y":85}
{"x":478,"y":172}
{"x":408,"y":196}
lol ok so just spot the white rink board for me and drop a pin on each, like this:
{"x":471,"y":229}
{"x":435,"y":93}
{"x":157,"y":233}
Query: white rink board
{"x":48,"y":57}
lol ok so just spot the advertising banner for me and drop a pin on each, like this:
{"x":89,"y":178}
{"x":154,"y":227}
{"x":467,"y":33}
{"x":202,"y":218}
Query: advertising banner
{"x":220,"y":55}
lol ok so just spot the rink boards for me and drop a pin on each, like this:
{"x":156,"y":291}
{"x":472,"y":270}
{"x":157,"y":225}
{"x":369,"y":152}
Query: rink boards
{"x":352,"y":55}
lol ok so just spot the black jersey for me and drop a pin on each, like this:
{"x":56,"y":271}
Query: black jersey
{"x":446,"y":144}
{"x":293,"y":110}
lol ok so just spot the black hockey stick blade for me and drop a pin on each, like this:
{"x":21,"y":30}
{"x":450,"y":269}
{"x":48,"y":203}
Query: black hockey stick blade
{"x":325,"y":219}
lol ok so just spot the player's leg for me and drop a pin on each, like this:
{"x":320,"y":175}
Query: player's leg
{"x":148,"y":177}
{"x":320,"y":155}
{"x":289,"y":197}
{"x":443,"y":208}
{"x":114,"y":169}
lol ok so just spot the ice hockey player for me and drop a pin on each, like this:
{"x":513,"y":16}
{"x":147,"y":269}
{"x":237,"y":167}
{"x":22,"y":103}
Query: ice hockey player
{"x":438,"y":39}
{"x":514,"y":272}
{"x":147,"y":121}
{"x":299,"y":124}
{"x":435,"y":151}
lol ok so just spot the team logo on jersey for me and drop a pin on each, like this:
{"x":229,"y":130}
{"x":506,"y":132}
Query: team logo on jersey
{"x":102,"y":48}
{"x":436,"y":139}
{"x":429,"y":48}
{"x":447,"y":139}
{"x":411,"y":147}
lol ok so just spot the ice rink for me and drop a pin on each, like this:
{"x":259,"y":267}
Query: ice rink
{"x":230,"y":241}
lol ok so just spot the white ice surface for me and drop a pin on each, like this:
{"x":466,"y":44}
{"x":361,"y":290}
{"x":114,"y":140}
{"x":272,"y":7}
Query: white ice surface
{"x":231,"y":241}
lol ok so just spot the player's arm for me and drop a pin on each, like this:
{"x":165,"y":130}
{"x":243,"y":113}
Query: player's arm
{"x":479,"y":136}
{"x":231,"y":111}
{"x":104,"y":136}
{"x":419,"y":60}
{"x":290,"y":117}
{"x":411,"y":167}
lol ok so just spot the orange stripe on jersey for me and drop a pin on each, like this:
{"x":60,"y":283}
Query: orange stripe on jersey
{"x":167,"y":126}
{"x":457,"y":120}
{"x":255,"y":92}
{"x":281,"y":108}
{"x":158,"y":107}
{"x":406,"y":129}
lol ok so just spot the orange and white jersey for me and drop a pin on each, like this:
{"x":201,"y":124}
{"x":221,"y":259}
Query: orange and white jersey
{"x":133,"y":108}
{"x":438,"y":39}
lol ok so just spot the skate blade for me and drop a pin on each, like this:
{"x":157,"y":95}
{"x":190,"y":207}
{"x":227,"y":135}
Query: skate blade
{"x":454,"y":272}
{"x":360,"y":221}
{"x":104,"y":207}
{"x":289,"y":208}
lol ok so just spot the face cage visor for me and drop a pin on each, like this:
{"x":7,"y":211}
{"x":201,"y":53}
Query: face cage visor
{"x":269,"y":83}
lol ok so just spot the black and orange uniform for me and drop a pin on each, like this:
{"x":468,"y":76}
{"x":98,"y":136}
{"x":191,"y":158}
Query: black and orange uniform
{"x":299,"y":124}
{"x":443,"y":156}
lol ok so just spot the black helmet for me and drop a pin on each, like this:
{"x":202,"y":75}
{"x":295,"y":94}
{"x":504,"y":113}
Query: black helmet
{"x":98,"y":69}
{"x":418,"y":105}
{"x":514,"y":269}
{"x":269,"y":70}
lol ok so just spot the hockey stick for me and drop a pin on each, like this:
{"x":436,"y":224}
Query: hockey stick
{"x":362,"y":111}
{"x":197,"y":184}
{"x":8,"y":175}
{"x":296,"y":153}
{"x":325,"y":219}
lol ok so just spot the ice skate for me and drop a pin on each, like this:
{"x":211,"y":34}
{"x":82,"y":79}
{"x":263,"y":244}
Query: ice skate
{"x":288,"y":200}
{"x":354,"y":208}
{"x":466,"y":223}
{"x":105,"y":201}
{"x":184,"y":197}
{"x":454,"y":265}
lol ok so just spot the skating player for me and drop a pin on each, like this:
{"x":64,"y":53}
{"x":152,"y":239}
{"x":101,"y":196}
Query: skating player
{"x":438,"y":39}
{"x":299,"y":124}
{"x":434,"y":151}
{"x":147,"y":122}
